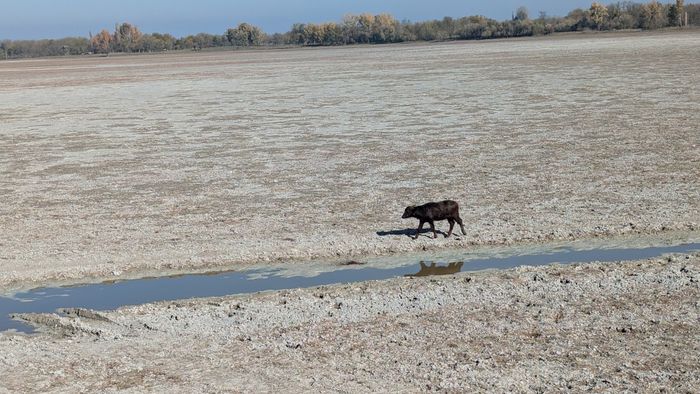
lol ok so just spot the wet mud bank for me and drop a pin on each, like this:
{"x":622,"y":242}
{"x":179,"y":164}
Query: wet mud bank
{"x":77,"y":301}
{"x":596,"y":326}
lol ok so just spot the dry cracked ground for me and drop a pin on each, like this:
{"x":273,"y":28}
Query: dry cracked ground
{"x":116,"y":165}
{"x":130,"y":165}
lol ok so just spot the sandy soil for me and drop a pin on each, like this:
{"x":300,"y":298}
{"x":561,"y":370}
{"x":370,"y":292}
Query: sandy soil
{"x":125,"y":164}
{"x":601,"y":327}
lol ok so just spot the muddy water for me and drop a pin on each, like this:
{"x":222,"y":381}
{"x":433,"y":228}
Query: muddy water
{"x":111,"y":295}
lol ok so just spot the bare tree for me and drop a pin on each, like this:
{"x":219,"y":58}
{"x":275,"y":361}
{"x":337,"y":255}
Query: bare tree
{"x":522,"y":14}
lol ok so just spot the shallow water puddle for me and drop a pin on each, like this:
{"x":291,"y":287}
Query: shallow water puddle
{"x":112,"y":295}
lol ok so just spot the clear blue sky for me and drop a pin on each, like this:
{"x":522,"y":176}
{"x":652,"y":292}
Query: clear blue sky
{"x":32,"y":19}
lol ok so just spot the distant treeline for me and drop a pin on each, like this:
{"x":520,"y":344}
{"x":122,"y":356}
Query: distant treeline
{"x":371,"y":29}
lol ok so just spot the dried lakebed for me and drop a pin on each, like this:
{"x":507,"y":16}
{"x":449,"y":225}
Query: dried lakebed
{"x":74,"y":300}
{"x":214,"y":160}
{"x":123,"y":167}
{"x":597,"y":326}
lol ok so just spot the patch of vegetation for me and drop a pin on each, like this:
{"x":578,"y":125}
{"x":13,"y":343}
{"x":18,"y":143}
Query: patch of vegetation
{"x":371,"y":29}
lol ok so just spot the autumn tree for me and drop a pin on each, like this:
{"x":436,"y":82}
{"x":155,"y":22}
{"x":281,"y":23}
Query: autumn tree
{"x":166,"y":41}
{"x":101,"y":42}
{"x":428,"y":31}
{"x":314,"y":33}
{"x":364,"y":28}
{"x":357,"y":28}
{"x":384,"y":29}
{"x":245,"y":35}
{"x":375,"y":29}
{"x":598,"y":15}
{"x":653,"y":15}
{"x":156,"y":42}
{"x":332,"y":34}
{"x":149,"y":43}
{"x":126,"y":38}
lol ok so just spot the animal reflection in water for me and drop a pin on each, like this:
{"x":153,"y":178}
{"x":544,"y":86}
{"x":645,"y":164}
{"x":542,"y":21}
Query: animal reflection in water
{"x":434,"y":269}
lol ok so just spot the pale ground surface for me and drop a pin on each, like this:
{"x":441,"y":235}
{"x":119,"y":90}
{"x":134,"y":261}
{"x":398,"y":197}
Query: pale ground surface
{"x":601,"y":327}
{"x":118,"y":165}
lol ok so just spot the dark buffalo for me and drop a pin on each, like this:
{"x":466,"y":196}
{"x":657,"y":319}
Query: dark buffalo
{"x":433,"y":211}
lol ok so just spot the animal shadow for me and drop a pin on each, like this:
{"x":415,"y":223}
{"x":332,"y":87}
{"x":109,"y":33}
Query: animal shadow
{"x":434,"y":269}
{"x":409,"y":232}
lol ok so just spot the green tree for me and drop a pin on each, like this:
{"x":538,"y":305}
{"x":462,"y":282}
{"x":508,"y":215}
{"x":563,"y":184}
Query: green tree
{"x":675,"y":13}
{"x":298,"y":33}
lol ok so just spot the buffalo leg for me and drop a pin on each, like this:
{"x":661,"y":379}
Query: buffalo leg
{"x":452,"y":224}
{"x":461,"y":225}
{"x":432,"y":227}
{"x":420,"y":227}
